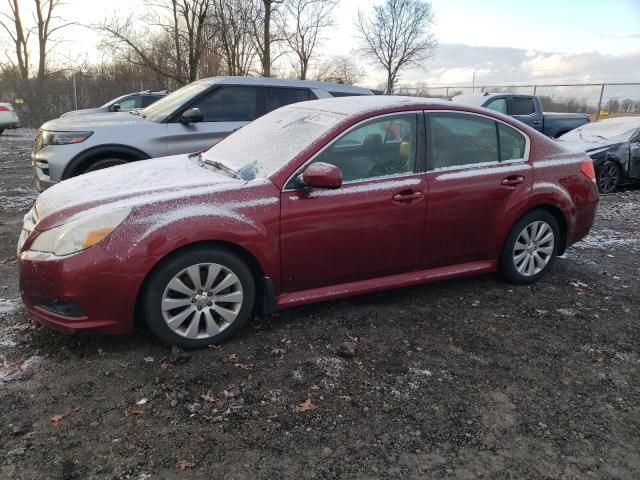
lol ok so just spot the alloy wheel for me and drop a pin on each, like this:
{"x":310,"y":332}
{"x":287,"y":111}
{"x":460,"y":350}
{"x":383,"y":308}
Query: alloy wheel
{"x":608,"y":177}
{"x":202,"y":300}
{"x":533,"y":248}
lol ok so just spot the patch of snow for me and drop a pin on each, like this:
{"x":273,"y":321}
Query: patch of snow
{"x":606,"y":239}
{"x":9,"y":306}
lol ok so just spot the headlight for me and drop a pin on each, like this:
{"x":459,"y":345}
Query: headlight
{"x":63,"y":138}
{"x":79,"y":235}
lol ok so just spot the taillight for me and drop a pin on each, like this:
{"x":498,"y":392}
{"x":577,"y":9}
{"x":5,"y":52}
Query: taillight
{"x":587,"y":169}
{"x":3,"y":108}
{"x":588,"y":118}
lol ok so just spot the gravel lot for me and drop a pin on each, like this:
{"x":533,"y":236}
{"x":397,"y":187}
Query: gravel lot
{"x":461,"y":379}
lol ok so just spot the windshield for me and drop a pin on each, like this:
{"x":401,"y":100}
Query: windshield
{"x":160,"y":110}
{"x":113,"y":101}
{"x":605,"y":129}
{"x":265,"y":145}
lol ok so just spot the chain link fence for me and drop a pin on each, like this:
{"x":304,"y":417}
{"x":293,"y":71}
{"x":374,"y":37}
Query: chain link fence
{"x":37,"y":101}
{"x":600,"y":100}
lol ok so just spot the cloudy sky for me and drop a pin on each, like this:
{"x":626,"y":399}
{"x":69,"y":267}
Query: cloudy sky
{"x":502,"y":41}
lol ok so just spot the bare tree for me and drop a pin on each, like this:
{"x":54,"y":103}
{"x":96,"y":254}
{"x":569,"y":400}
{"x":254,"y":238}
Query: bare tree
{"x":233,"y":22}
{"x":339,"y":69}
{"x":177,"y":51}
{"x":45,"y":18}
{"x":303,"y":24}
{"x":396,"y":36}
{"x":263,"y":35}
{"x":12,"y":23}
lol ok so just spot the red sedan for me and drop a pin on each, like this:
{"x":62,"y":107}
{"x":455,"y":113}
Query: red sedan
{"x":315,"y":201}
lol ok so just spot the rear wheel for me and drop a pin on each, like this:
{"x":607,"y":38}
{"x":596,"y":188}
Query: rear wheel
{"x":608,"y":177}
{"x":531,"y":247}
{"x":200,"y":297}
{"x":104,"y":163}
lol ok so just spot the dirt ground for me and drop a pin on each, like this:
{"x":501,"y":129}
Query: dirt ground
{"x":462,"y":379}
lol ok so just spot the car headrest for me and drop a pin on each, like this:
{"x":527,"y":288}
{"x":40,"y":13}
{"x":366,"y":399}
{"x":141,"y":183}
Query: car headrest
{"x":373,"y":141}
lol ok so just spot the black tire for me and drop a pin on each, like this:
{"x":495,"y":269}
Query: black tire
{"x":608,"y":177}
{"x":158,"y":284}
{"x":508,"y":266}
{"x":1,"y":130}
{"x":104,"y":163}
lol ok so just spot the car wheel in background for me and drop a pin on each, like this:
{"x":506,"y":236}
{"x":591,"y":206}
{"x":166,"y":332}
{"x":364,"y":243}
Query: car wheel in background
{"x":199,"y":297}
{"x":1,"y":130}
{"x":530,"y":248}
{"x":608,"y":176}
{"x":104,"y":163}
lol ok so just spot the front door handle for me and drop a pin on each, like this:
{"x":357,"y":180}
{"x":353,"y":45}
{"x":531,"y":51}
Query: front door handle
{"x":537,"y":122}
{"x":408,"y":196}
{"x":513,"y":181}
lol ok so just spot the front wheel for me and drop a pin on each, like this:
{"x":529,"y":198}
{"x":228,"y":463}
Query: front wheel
{"x":104,"y":163}
{"x":530,"y":248}
{"x":200,"y":297}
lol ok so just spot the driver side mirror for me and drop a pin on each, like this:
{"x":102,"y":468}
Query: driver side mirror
{"x":115,"y":107}
{"x":193,"y":115}
{"x":321,"y":175}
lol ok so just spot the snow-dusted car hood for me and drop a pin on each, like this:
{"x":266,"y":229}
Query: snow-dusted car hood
{"x":590,"y":145}
{"x":88,"y":121}
{"x":138,"y":183}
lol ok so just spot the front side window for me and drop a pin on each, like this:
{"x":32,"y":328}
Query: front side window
{"x":499,"y":105}
{"x":380,"y":147}
{"x":279,"y":97}
{"x":522,"y":106}
{"x":460,"y":139}
{"x":229,"y":104}
{"x":512,"y":143}
{"x":128,"y":103}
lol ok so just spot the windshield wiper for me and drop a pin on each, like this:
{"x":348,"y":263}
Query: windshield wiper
{"x":219,"y":165}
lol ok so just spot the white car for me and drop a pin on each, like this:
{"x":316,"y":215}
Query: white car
{"x":8,"y":117}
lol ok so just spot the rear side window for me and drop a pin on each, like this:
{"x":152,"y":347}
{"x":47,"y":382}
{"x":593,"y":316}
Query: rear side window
{"x":499,"y":105}
{"x":149,"y":99}
{"x":279,"y":97}
{"x":229,"y":104}
{"x":512,"y":143}
{"x":459,"y":139}
{"x":522,"y":106}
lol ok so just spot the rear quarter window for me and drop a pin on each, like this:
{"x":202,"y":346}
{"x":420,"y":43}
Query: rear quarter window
{"x":345,"y":94}
{"x":512,"y":143}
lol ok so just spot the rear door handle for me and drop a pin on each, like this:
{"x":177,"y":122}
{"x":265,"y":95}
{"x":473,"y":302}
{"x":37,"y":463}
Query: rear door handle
{"x":513,"y":181}
{"x":407,"y":196}
{"x":537,"y":122}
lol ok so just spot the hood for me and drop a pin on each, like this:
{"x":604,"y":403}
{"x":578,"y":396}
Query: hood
{"x":84,"y":111}
{"x":81,"y":122}
{"x":590,"y":145}
{"x":138,"y":183}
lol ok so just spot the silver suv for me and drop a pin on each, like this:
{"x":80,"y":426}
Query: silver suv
{"x":190,"y":119}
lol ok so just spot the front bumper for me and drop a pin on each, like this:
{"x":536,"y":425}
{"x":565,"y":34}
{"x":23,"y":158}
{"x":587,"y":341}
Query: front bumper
{"x":103,"y":287}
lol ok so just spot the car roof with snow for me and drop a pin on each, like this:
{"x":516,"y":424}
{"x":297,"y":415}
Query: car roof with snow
{"x":630,"y":121}
{"x":281,"y":82}
{"x":361,"y":104}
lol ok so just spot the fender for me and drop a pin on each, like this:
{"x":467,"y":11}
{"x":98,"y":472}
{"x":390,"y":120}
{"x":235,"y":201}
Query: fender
{"x":80,"y":161}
